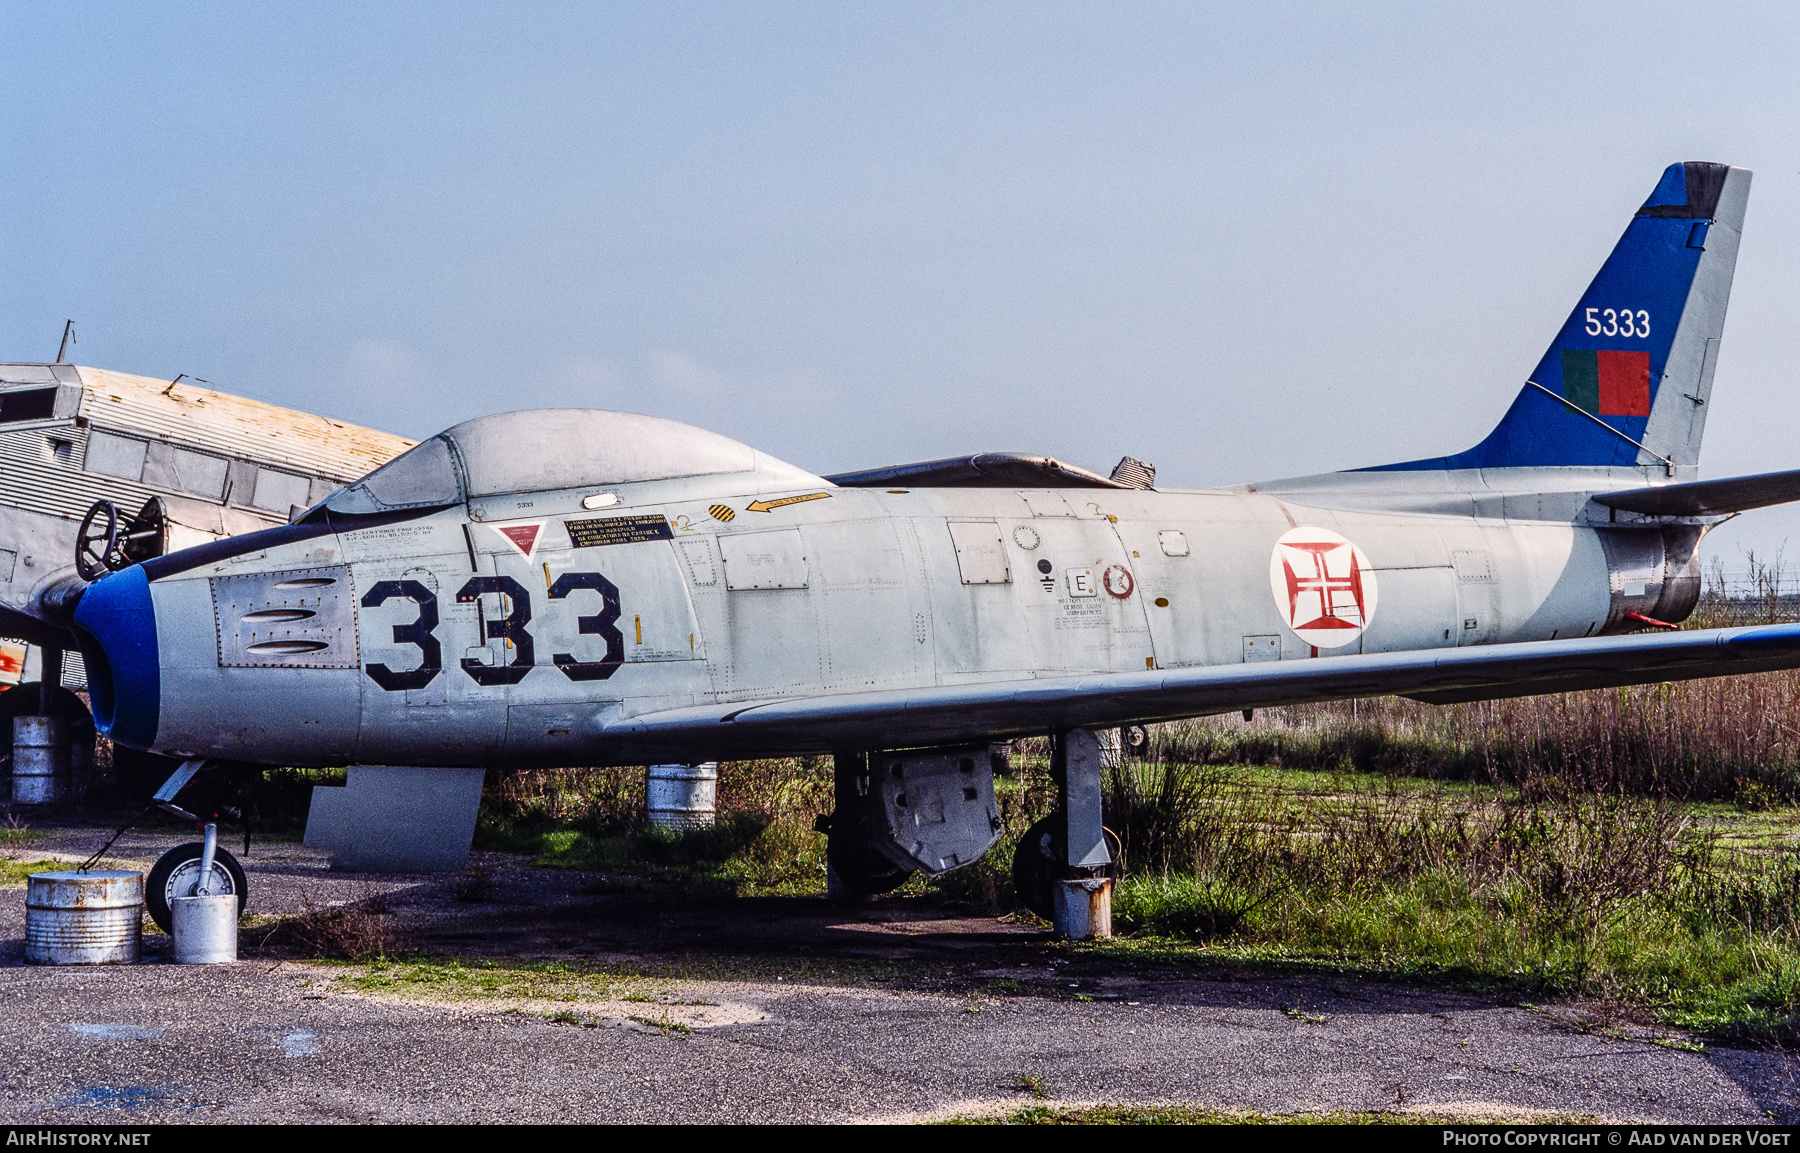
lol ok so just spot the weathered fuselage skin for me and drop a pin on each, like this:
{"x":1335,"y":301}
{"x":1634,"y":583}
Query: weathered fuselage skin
{"x":466,"y":604}
{"x":850,"y":590}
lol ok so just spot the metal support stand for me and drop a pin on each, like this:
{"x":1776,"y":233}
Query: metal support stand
{"x":204,"y":924}
{"x":40,"y":760}
{"x":1082,"y":899}
{"x":682,"y":797}
{"x":397,"y":819}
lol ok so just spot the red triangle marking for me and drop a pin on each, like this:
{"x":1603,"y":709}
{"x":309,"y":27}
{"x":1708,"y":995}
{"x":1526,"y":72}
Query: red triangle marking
{"x":523,"y":536}
{"x":1327,"y":623}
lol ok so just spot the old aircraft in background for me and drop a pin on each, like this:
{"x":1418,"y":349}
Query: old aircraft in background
{"x":575,"y":587}
{"x":100,"y":470}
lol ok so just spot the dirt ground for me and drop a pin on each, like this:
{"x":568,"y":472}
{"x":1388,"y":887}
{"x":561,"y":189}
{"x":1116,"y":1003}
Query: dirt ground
{"x":770,"y":1009}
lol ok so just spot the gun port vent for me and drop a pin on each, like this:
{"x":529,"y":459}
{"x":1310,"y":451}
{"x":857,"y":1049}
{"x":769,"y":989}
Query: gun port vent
{"x":285,"y":648}
{"x":276,"y":616}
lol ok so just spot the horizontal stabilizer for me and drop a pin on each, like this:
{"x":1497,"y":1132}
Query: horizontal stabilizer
{"x":983,"y":470}
{"x":1707,"y":497}
{"x":978,"y":712}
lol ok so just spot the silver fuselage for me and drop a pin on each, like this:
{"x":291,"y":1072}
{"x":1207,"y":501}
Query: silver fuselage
{"x":851,"y":591}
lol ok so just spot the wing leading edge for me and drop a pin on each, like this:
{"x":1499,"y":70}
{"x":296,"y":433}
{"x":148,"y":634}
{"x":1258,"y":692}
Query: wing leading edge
{"x":1000,"y":709}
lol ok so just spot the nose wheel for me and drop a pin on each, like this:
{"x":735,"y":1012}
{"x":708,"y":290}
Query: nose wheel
{"x":177,"y":874}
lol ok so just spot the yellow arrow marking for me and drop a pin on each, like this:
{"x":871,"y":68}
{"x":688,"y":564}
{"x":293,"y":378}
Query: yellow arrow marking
{"x":766,"y":505}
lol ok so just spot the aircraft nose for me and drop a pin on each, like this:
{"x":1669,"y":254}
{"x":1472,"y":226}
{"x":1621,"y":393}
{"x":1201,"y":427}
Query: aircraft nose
{"x":115,"y":624}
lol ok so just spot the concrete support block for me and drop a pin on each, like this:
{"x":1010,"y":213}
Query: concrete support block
{"x":397,"y":820}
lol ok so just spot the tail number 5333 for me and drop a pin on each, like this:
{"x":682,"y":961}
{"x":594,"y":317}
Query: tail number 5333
{"x":1617,"y":322}
{"x":421,"y":631}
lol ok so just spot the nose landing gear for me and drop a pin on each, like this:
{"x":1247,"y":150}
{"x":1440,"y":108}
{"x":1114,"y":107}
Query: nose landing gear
{"x":195,"y":869}
{"x":177,"y":874}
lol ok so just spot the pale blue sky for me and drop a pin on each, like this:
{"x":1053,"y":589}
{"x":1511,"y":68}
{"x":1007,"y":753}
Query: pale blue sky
{"x":1234,"y":243}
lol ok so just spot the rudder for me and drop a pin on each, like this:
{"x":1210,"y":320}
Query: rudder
{"x":1626,"y":381}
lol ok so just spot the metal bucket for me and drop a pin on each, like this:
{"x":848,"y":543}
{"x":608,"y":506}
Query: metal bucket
{"x":205,"y":929}
{"x":40,"y":760}
{"x":76,"y":918}
{"x":682,"y":796}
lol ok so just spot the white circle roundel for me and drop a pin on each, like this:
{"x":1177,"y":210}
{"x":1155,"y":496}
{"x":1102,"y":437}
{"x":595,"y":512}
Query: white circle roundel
{"x":1323,"y":586}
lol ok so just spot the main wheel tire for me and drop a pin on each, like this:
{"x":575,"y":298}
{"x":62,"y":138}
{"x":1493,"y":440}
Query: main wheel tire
{"x":858,"y":867}
{"x":1038,"y":864}
{"x":177,"y":874}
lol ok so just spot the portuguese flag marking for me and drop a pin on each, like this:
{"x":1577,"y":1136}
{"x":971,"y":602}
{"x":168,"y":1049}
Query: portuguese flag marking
{"x":1607,"y":382}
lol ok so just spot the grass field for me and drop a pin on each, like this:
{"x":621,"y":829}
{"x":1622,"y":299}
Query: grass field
{"x":1637,"y":846}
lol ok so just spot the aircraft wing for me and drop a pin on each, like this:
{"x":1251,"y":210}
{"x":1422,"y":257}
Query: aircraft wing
{"x":1000,"y":709}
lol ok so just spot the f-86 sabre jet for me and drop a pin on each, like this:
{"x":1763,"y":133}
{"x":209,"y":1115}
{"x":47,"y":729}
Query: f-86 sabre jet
{"x":575,"y":587}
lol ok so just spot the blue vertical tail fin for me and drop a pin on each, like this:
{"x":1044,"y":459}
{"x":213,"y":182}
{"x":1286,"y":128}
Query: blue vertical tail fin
{"x":1626,"y":381}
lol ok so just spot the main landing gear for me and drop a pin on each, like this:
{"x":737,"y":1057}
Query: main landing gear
{"x":1066,"y":864}
{"x":854,"y":869}
{"x":1040,"y":860}
{"x":934,"y":810}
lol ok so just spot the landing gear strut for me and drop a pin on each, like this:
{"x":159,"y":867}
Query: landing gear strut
{"x":1065,"y":865}
{"x":853,"y":868}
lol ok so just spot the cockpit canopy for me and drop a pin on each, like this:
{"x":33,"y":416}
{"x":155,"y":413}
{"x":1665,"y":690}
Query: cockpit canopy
{"x":546,"y":449}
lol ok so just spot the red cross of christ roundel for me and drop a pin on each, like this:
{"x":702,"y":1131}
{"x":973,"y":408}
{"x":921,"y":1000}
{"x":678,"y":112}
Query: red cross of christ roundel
{"x":1323,"y":586}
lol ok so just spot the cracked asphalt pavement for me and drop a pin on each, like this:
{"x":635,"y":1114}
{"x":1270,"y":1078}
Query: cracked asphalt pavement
{"x":892,"y":1011}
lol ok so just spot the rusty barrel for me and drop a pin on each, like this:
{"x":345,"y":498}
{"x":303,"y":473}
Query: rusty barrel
{"x":75,"y":918}
{"x":682,"y":796}
{"x":1082,"y":909}
{"x":39,"y":760}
